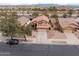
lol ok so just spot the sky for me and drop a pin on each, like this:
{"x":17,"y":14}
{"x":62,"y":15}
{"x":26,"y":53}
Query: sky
{"x":17,"y":2}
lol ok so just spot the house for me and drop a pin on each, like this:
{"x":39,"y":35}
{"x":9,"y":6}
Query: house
{"x":24,"y":20}
{"x":77,"y":23}
{"x":67,"y":24}
{"x":77,"y":20}
{"x":42,"y":22}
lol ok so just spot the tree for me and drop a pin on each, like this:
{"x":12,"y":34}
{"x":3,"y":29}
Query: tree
{"x":50,"y":8}
{"x":35,"y":14}
{"x":78,"y":13}
{"x":70,"y":12}
{"x":46,"y":14}
{"x":36,"y":9}
{"x":57,"y":25}
{"x":34,"y":26}
{"x":25,"y":30}
{"x":54,"y":8}
{"x":54,"y":16}
{"x":8,"y":24}
{"x":64,"y":15}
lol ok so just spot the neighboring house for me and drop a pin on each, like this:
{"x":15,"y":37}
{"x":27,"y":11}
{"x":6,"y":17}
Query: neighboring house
{"x":21,"y":13}
{"x":77,"y":20}
{"x":24,"y":20}
{"x":42,"y":22}
{"x":67,"y":24}
{"x":77,"y":23}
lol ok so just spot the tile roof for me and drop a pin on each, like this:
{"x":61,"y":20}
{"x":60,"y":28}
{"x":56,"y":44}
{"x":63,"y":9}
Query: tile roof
{"x":40,"y":18}
{"x":77,"y":20}
{"x":65,"y":22}
{"x":43,"y":25}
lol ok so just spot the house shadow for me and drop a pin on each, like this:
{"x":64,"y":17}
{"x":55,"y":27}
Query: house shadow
{"x":30,"y":49}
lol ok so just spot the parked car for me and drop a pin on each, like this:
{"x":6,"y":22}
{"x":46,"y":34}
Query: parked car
{"x":12,"y":41}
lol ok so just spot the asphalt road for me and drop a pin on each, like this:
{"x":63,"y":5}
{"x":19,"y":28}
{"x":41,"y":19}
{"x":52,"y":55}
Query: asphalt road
{"x":38,"y":50}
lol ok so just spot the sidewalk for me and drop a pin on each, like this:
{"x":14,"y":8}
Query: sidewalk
{"x":71,"y":39}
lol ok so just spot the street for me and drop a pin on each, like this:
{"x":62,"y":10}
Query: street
{"x":38,"y":50}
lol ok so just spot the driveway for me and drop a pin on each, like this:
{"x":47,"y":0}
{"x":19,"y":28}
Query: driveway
{"x":41,"y":37}
{"x":71,"y":38}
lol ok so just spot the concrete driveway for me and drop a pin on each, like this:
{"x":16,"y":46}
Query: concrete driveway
{"x":41,"y":37}
{"x":71,"y":38}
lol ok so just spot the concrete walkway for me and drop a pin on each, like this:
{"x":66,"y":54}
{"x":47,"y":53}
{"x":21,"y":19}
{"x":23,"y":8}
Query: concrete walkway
{"x":71,"y":38}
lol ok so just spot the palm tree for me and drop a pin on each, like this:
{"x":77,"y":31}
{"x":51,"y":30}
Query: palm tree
{"x":57,"y":25}
{"x":70,"y":12}
{"x":78,"y":13}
